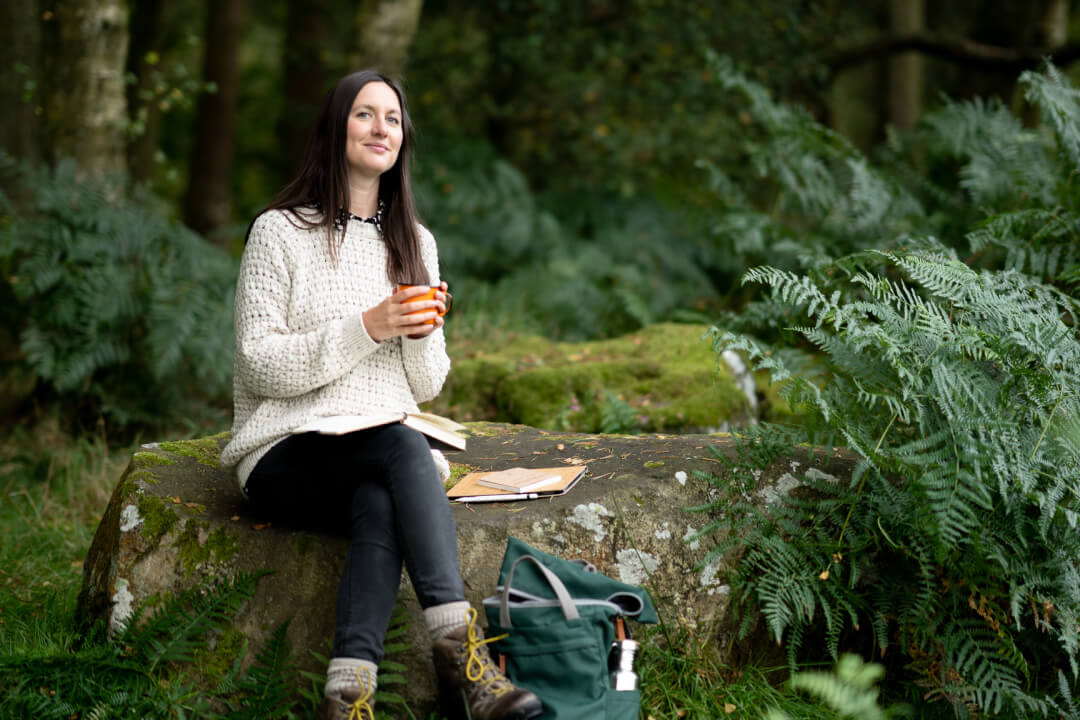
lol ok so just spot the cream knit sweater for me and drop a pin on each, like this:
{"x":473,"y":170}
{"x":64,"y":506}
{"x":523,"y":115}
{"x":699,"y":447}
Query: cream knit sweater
{"x":302,"y":351}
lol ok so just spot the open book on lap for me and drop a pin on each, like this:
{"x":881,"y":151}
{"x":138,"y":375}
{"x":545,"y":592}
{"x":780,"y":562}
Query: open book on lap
{"x":442,"y":433}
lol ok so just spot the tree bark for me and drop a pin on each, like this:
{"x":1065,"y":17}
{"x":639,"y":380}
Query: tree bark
{"x":20,"y":78}
{"x":905,"y":69}
{"x":144,"y":54}
{"x":961,"y":51}
{"x":85,"y":108}
{"x":385,"y":29}
{"x":208,"y":201}
{"x":1055,"y":24}
{"x":307,"y":35}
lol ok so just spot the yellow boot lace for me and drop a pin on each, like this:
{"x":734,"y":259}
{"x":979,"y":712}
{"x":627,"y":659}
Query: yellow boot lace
{"x":360,"y":709}
{"x":479,"y":664}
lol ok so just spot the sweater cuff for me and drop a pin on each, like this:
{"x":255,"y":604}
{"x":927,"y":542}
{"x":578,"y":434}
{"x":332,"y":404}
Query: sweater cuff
{"x":415,"y":345}
{"x":355,"y":337}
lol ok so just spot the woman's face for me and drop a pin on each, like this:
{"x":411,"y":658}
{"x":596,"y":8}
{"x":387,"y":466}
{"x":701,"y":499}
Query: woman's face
{"x":374,"y":135}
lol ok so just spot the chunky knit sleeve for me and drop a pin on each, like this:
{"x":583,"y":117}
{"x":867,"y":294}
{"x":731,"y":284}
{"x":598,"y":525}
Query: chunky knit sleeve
{"x":426,"y":361}
{"x":272,"y":360}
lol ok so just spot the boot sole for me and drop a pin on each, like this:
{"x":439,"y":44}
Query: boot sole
{"x":527,"y":714}
{"x":452,"y":704}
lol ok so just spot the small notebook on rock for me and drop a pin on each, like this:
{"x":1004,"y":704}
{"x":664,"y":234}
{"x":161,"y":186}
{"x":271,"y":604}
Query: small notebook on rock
{"x":477,"y":487}
{"x":520,"y":479}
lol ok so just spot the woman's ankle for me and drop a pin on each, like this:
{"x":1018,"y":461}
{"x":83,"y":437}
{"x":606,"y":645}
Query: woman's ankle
{"x":445,"y":618}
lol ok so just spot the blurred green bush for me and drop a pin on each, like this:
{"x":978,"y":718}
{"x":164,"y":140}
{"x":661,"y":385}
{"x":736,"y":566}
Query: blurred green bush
{"x":119,"y":312}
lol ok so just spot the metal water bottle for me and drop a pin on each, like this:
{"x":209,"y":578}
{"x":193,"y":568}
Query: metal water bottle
{"x":624,"y":677}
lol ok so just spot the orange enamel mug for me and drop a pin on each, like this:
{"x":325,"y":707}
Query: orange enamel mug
{"x":429,"y":295}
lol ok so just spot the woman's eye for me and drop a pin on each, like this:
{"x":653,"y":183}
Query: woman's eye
{"x":363,"y":114}
{"x":393,"y":120}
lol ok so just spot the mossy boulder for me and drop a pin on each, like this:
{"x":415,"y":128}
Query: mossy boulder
{"x":177,"y":519}
{"x":664,"y":378}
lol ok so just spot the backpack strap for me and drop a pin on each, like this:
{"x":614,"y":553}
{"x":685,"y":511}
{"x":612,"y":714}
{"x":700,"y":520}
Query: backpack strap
{"x":566,"y":603}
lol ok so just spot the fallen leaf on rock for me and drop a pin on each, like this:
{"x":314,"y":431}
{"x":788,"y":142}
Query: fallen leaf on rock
{"x":260,"y":526}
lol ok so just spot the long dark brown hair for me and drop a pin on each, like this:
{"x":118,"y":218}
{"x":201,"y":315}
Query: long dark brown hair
{"x":323,"y":183}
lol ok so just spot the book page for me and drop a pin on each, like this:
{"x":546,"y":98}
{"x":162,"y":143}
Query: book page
{"x":438,"y":420}
{"x":342,"y":424}
{"x":437,"y":431}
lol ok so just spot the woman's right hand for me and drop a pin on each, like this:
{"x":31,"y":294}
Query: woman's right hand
{"x":393,"y":316}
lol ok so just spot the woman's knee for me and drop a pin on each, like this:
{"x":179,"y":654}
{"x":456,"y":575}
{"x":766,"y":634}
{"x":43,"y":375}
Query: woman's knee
{"x":406,"y":447}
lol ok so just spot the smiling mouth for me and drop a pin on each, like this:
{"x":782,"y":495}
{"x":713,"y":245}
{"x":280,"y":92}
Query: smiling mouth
{"x":379,"y":147}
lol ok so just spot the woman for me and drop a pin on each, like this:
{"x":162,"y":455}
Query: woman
{"x":320,"y":332}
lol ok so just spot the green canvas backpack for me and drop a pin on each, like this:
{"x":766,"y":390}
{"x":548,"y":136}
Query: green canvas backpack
{"x":561,"y":621}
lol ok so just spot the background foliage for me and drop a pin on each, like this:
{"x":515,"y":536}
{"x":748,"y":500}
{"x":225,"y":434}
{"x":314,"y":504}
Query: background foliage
{"x":120,"y":313}
{"x":591,"y":168}
{"x":955,"y":387}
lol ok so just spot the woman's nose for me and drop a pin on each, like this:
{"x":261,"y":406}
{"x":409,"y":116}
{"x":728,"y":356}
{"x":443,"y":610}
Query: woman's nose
{"x":379,"y":126}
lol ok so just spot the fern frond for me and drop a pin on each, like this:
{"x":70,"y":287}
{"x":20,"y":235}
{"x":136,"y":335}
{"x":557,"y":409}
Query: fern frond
{"x":849,"y":691}
{"x":177,"y":628}
{"x":268,"y":684}
{"x":1059,"y":106}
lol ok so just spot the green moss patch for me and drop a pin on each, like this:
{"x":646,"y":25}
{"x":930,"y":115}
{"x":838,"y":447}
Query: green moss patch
{"x":219,"y":548}
{"x":202,"y":450}
{"x":216,"y":662}
{"x":142,"y":475}
{"x":664,"y":378}
{"x":158,"y":518}
{"x":456,"y":473}
{"x":151,"y":459}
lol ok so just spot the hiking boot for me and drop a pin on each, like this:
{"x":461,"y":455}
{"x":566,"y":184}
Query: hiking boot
{"x":353,"y":703}
{"x":468,"y":678}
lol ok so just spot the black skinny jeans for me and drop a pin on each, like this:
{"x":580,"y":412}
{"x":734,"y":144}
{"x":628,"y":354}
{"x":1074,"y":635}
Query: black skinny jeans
{"x":381,"y":484}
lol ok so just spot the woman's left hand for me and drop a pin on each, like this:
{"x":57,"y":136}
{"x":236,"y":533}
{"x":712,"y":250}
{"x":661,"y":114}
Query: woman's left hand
{"x":439,"y":321}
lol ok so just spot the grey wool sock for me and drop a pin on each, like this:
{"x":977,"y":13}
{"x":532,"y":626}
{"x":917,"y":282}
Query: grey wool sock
{"x":443,"y":619}
{"x":346,"y":672}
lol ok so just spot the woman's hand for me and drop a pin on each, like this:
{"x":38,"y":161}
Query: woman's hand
{"x":392,"y":316}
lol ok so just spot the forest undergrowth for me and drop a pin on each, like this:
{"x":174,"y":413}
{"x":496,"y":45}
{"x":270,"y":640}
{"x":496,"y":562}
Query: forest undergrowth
{"x":54,"y":492}
{"x":919,"y":307}
{"x":938,"y":319}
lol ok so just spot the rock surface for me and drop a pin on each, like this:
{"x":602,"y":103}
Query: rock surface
{"x":177,"y":519}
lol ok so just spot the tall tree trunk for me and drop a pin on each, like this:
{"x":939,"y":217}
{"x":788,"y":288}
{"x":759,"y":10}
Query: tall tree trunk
{"x":906,"y":69}
{"x":385,"y":29}
{"x":86,"y":42}
{"x":20,"y":76}
{"x":208,"y":201}
{"x":1055,"y":24}
{"x":307,"y":36}
{"x":147,"y":40}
